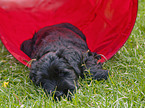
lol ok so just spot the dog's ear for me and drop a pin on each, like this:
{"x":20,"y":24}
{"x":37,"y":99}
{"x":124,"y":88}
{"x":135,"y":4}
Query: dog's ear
{"x":73,"y":28}
{"x":72,"y":58}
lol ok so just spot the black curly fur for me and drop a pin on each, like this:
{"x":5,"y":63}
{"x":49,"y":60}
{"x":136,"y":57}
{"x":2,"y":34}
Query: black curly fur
{"x":62,"y":57}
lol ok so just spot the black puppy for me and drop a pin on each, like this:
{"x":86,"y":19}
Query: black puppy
{"x":62,"y":56}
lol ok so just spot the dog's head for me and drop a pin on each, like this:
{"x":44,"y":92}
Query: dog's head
{"x":54,"y":74}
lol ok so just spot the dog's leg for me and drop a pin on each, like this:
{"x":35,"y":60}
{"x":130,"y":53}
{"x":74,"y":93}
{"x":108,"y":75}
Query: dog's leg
{"x":92,"y":68}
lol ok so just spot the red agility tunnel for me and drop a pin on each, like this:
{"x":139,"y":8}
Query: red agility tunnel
{"x":107,"y":24}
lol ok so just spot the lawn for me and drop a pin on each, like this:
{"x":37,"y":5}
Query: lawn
{"x":125,"y":88}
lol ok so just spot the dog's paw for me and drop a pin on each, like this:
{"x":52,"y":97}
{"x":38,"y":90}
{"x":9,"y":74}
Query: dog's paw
{"x":101,"y":74}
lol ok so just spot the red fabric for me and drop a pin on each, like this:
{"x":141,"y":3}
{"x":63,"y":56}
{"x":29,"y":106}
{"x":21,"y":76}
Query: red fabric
{"x":106,"y":23}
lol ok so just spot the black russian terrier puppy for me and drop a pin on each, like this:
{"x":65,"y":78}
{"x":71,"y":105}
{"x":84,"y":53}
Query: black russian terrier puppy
{"x":61,"y":57}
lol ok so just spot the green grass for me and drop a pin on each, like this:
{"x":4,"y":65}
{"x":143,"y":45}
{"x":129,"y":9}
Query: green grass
{"x":124,"y":88}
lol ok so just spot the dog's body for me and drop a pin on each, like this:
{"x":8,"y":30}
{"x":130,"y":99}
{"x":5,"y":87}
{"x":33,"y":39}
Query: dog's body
{"x":62,"y":57}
